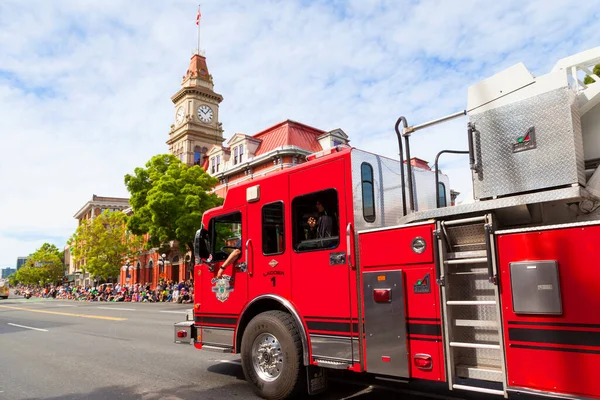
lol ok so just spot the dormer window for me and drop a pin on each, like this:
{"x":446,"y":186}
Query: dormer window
{"x":218,"y":162}
{"x":238,"y":153}
{"x":213,"y":163}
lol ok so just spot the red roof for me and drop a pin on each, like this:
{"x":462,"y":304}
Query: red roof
{"x":197,"y":68}
{"x":289,"y":133}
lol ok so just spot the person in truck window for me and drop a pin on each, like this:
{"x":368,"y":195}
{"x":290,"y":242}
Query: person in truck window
{"x":235,"y":254}
{"x":322,"y":227}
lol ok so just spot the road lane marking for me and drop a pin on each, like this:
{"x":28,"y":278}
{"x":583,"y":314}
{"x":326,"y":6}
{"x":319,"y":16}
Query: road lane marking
{"x":27,"y":327}
{"x":116,"y":308}
{"x":67,"y":314}
{"x":175,"y":312}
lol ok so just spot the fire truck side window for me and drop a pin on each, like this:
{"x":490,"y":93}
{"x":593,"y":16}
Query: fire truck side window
{"x":225,"y":234}
{"x":368,"y":193}
{"x":273,"y":240}
{"x":315,"y":223}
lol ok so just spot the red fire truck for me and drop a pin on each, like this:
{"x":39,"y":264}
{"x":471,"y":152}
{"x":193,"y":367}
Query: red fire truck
{"x":356,"y":262}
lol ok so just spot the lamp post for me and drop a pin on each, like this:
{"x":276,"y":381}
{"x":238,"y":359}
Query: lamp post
{"x":162,"y":265}
{"x":127,"y":270}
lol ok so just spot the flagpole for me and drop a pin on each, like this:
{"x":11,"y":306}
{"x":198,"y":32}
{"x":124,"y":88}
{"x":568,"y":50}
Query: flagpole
{"x":199,"y":17}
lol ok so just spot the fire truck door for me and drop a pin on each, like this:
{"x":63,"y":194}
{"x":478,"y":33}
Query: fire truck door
{"x":320,"y":271}
{"x":269,"y":254}
{"x":223,"y":299}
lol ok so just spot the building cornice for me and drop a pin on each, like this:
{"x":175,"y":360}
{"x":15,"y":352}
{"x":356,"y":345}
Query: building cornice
{"x":280,"y":151}
{"x":198,"y":91}
{"x":101,"y":204}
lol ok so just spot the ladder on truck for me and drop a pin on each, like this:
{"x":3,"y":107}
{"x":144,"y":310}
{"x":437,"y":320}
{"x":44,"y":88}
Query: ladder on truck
{"x":468,"y":277}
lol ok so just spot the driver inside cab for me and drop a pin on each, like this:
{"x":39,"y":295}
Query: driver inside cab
{"x":233,"y":256}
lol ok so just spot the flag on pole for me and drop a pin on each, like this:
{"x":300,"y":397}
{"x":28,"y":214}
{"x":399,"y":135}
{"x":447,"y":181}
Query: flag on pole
{"x":198,"y":17}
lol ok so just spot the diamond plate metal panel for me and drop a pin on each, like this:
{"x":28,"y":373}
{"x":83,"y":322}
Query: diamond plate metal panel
{"x":481,"y":372}
{"x":470,"y":287}
{"x":470,"y":334}
{"x":466,"y":234}
{"x":467,"y":356}
{"x":569,"y":193}
{"x":556,"y":160}
{"x":482,"y":313}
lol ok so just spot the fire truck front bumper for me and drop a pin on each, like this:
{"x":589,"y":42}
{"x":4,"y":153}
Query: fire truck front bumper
{"x":185,"y":332}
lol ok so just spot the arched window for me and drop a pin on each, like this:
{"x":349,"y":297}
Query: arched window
{"x":138,"y":272}
{"x":197,"y":155}
{"x":442,"y":195}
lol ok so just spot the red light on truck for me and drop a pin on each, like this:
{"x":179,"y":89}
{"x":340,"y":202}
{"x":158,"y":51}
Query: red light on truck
{"x":382,"y":295}
{"x":386,"y":359}
{"x":423,"y":361}
{"x":181,"y":334}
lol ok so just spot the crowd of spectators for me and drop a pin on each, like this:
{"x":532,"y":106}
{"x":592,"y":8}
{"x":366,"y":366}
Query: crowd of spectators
{"x":170,"y":291}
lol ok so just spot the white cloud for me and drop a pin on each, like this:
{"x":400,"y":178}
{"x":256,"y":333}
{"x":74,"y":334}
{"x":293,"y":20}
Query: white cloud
{"x":85,"y":87}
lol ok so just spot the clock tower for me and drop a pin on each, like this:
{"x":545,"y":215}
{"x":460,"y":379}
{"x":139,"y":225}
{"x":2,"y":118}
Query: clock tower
{"x":196,"y":126}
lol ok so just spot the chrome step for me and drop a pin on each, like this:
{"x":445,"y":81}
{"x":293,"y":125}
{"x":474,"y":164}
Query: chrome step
{"x":478,"y":323}
{"x":332,"y":364}
{"x":471,"y":302}
{"x":465,"y":221}
{"x":217,"y":349}
{"x":467,"y":254}
{"x":480,"y":372}
{"x":469,"y":245}
{"x":478,"y":389}
{"x":469,"y":273}
{"x":475,"y":345}
{"x":477,"y":260}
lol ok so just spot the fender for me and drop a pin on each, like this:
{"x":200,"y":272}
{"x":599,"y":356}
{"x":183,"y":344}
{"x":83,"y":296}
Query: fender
{"x":292,"y":311}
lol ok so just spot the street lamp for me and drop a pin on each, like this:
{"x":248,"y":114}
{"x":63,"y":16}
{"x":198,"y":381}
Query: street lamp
{"x":127,"y":276}
{"x":163,"y":258}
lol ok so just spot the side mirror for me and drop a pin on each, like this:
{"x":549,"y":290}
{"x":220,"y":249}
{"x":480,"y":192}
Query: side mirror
{"x":201,"y":245}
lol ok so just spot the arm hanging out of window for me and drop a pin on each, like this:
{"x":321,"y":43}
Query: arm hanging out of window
{"x":235,"y":254}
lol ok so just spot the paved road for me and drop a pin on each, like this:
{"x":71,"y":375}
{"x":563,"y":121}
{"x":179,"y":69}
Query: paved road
{"x":52,"y":349}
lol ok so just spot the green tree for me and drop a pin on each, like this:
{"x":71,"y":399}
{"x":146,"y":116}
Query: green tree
{"x":103,"y":243}
{"x":588,"y":79}
{"x":42,"y":267}
{"x":168,"y":199}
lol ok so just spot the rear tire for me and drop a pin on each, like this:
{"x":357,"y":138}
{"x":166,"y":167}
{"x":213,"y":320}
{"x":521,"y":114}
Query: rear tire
{"x":271,"y":355}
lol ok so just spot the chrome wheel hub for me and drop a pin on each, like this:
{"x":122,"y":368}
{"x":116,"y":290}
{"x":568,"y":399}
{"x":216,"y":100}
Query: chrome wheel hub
{"x":267,"y":357}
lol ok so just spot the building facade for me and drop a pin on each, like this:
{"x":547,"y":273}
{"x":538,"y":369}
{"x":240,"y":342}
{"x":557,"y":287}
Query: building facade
{"x":6,"y":272}
{"x":96,"y":206}
{"x":20,"y":262}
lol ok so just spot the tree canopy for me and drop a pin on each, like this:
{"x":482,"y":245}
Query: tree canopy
{"x":588,"y":79}
{"x":168,"y":199}
{"x":42,"y":267}
{"x":103,"y":243}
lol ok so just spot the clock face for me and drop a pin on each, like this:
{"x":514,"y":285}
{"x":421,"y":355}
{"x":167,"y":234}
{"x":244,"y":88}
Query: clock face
{"x":205,"y":113}
{"x":180,"y":115}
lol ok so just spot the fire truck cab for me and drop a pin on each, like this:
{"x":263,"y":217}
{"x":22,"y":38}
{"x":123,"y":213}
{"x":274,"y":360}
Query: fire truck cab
{"x":497,"y":296}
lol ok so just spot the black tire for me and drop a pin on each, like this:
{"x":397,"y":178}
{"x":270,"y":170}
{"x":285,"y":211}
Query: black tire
{"x":291,"y":381}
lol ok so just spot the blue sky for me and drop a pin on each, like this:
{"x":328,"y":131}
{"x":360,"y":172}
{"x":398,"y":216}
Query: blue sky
{"x":85,"y":87}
